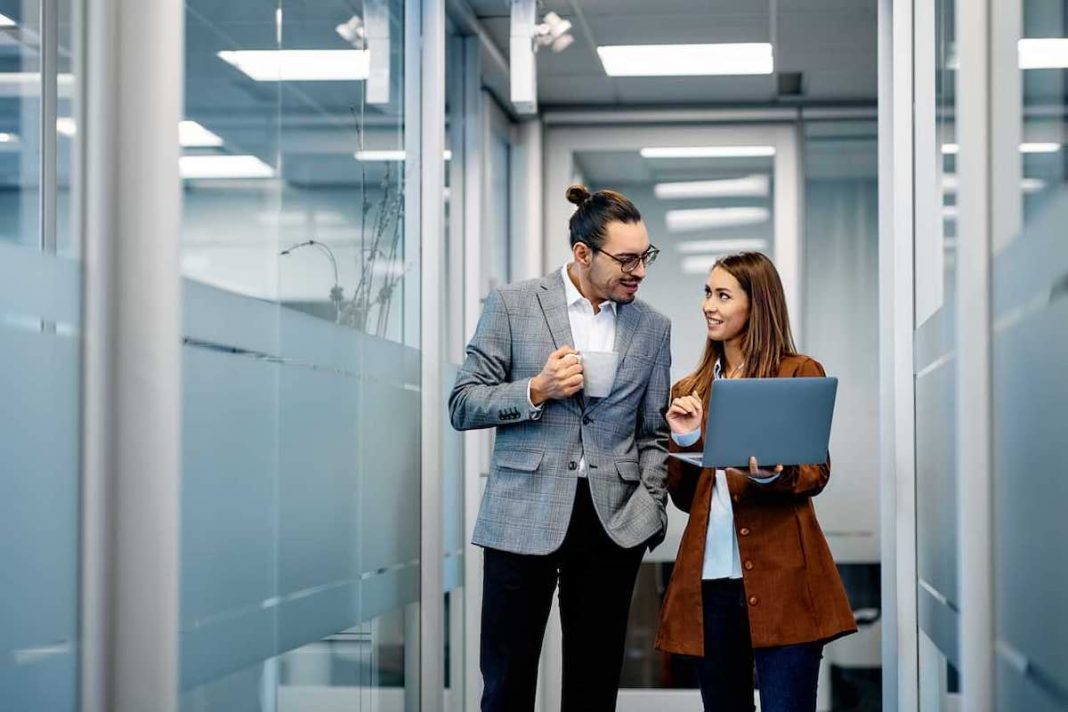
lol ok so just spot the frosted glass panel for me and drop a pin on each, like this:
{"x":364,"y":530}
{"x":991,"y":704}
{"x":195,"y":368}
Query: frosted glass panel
{"x":39,"y":475}
{"x":301,"y":482}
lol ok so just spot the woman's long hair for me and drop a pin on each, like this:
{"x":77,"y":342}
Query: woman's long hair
{"x":767,"y":338}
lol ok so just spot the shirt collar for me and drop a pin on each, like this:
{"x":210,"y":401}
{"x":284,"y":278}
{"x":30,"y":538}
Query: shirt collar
{"x":573,"y":295}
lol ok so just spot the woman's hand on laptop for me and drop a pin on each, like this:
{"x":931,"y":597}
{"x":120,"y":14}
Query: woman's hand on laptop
{"x":685,"y":414}
{"x":756,"y":473}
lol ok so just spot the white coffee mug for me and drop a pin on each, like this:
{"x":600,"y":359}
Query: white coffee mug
{"x":599,"y":372}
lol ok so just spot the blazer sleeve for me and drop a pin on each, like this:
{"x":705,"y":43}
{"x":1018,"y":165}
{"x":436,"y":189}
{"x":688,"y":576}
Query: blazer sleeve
{"x":803,"y":480}
{"x":483,"y":396}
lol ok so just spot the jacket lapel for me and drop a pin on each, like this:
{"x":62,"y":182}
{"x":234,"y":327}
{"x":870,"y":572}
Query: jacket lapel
{"x":554,"y":307}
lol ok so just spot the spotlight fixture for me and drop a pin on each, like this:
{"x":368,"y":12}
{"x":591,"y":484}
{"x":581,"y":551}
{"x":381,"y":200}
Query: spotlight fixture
{"x":553,"y":32}
{"x":352,"y":31}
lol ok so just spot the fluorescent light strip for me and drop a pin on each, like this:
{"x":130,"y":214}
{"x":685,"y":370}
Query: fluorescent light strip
{"x":1044,"y":53}
{"x":708,"y":152}
{"x":301,"y":65}
{"x":699,"y":264}
{"x":754,"y":186}
{"x":6,"y":21}
{"x":8,"y":138}
{"x":722,"y":246}
{"x":66,"y":126}
{"x":193,"y":135}
{"x":687,"y":60}
{"x":208,"y":167}
{"x":689,"y":220}
{"x":389,"y":155}
{"x":952,"y":149}
{"x":950,"y":184}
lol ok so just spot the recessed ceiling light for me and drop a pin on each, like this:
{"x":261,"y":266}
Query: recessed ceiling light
{"x":389,"y":155}
{"x":6,"y":21}
{"x":191,"y":167}
{"x":952,"y":149}
{"x":678,"y":60}
{"x":1039,"y":147}
{"x":66,"y":126}
{"x":193,"y":135}
{"x":704,"y":218}
{"x":950,"y":184}
{"x":699,"y":264}
{"x":1044,"y":53}
{"x":753,"y":186}
{"x":301,"y":65}
{"x":708,"y":152}
{"x":722,"y":246}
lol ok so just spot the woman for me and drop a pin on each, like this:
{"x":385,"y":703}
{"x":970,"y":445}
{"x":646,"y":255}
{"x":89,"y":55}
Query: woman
{"x":754,"y":581}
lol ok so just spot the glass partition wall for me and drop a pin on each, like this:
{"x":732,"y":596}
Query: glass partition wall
{"x":301,"y":270}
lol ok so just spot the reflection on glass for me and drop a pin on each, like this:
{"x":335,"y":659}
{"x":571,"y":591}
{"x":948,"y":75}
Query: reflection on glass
{"x":40,"y":385}
{"x":1030,"y":279}
{"x":300,"y":540}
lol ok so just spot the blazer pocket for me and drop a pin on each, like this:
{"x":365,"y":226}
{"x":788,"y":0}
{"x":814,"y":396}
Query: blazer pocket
{"x":522,"y":460}
{"x":629,"y":470}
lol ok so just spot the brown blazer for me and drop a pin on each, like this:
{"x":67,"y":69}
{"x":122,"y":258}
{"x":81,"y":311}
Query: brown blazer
{"x":791,"y":583}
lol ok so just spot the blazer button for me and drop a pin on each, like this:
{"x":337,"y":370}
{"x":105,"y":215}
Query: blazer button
{"x":753,"y":600}
{"x":748,"y":565}
{"x":572,"y":465}
{"x":586,"y":420}
{"x":744,"y":531}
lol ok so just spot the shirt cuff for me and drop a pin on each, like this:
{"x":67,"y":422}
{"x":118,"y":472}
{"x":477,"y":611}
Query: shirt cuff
{"x":765,"y":480}
{"x":686,"y":439}
{"x":535,"y":410}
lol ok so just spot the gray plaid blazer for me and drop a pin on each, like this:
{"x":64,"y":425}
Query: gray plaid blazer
{"x":529,"y":495}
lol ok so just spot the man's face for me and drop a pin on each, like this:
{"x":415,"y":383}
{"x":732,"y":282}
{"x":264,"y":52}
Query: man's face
{"x":606,"y":275}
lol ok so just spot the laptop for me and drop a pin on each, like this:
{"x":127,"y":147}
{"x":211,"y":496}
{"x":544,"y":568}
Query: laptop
{"x":780,"y":421}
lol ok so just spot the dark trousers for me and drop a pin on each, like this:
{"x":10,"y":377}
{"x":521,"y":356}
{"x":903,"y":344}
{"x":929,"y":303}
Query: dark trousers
{"x":786,"y":675}
{"x":596,"y":580}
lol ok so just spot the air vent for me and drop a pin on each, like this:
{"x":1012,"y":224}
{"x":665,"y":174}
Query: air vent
{"x":789,"y":83}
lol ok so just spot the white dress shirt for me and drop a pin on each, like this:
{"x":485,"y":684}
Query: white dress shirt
{"x":722,"y":559}
{"x":591,"y":332}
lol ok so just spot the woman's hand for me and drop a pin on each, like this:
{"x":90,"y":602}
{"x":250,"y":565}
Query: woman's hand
{"x":755,"y":471}
{"x":685,"y":414}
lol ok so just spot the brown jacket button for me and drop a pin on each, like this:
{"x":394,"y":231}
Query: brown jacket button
{"x":748,"y":565}
{"x":744,"y":531}
{"x":753,"y":600}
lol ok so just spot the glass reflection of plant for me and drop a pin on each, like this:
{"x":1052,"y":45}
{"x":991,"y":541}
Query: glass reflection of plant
{"x":380,"y":263}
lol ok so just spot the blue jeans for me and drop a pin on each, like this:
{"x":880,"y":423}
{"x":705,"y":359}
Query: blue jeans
{"x":786,"y":675}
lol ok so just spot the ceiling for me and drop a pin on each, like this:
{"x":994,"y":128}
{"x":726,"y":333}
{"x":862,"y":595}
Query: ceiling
{"x":832,"y":43}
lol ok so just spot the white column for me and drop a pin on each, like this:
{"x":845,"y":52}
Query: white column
{"x":432,"y":221}
{"x":974,"y":477}
{"x":476,"y":442}
{"x":897,"y":302}
{"x":130,"y":221}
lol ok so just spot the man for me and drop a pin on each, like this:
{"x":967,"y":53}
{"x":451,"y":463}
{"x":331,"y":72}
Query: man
{"x":576,"y":487}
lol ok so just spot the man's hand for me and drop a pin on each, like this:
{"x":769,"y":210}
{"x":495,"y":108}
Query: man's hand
{"x":685,"y":414}
{"x":561,"y":377}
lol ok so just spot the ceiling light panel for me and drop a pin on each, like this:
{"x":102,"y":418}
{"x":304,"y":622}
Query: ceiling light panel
{"x":710,"y":218}
{"x":722,"y":246}
{"x":753,"y":186}
{"x":301,"y":65}
{"x":207,"y":167}
{"x":687,"y":60}
{"x":708,"y":151}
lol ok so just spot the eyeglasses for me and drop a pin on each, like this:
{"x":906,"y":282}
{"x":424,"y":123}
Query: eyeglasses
{"x":629,"y":262}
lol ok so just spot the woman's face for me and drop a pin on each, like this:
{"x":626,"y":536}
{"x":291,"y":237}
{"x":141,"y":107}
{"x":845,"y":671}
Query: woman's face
{"x":726,"y":306}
